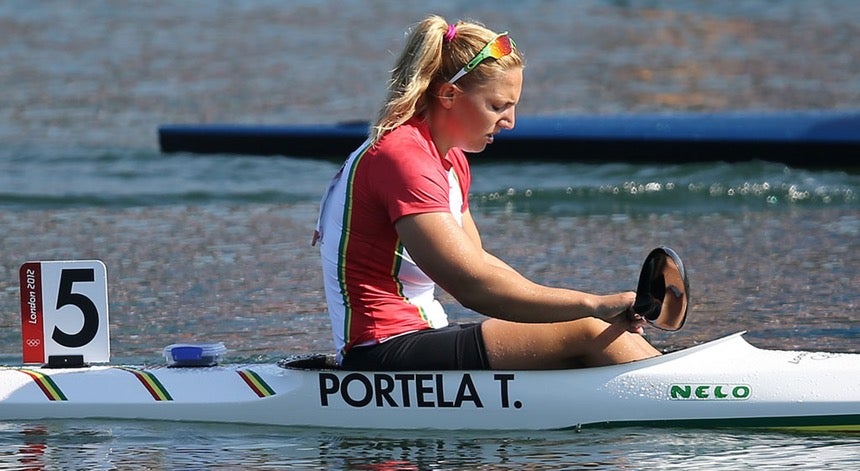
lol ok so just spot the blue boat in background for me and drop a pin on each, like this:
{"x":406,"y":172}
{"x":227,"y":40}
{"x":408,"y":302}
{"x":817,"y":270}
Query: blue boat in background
{"x":801,"y":139}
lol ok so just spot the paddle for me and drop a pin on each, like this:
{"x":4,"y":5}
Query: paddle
{"x":663,"y":293}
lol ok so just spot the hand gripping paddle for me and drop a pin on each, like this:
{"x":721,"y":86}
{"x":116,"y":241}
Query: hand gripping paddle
{"x":663,"y":294}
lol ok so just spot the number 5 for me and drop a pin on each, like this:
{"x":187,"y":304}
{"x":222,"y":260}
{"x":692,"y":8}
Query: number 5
{"x":65,"y":296}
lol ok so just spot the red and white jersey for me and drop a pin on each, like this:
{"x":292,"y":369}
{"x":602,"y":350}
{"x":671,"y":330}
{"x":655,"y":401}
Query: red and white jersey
{"x":373,"y":289}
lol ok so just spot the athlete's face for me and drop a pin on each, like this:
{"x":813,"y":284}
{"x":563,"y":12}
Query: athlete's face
{"x":482,"y":111}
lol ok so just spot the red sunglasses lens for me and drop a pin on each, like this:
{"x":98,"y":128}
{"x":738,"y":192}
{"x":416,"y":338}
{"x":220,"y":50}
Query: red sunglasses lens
{"x":501,"y":47}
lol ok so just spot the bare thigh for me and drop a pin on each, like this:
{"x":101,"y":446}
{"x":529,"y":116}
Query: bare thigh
{"x":583,"y":342}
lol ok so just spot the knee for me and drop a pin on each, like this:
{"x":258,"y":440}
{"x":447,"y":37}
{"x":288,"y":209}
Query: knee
{"x":590,"y":328}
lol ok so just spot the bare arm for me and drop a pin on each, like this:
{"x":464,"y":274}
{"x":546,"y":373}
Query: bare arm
{"x":454,"y":258}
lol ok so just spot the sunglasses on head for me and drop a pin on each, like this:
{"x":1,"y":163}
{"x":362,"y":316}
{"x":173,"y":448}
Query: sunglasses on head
{"x":498,"y":47}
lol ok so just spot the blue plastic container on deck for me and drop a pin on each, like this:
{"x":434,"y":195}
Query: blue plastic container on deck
{"x":188,"y":354}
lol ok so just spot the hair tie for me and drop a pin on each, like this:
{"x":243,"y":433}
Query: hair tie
{"x":449,"y":35}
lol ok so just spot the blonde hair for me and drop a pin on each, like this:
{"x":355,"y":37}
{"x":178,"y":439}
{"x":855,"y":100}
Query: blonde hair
{"x":427,"y":61}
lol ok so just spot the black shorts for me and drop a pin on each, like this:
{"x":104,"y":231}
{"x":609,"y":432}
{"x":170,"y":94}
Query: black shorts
{"x":455,"y":347}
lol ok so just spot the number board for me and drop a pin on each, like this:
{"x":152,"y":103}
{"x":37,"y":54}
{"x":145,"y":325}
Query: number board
{"x":64,"y":310}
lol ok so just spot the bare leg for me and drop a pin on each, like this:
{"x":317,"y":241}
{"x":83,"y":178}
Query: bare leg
{"x":583,"y":342}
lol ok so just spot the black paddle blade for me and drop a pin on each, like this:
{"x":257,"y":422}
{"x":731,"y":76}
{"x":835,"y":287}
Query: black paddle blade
{"x":663,"y":293}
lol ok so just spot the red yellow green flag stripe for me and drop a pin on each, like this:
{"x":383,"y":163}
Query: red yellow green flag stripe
{"x":151,"y":383}
{"x":46,"y":384}
{"x":256,"y":383}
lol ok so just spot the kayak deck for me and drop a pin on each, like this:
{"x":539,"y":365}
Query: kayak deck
{"x":723,"y":383}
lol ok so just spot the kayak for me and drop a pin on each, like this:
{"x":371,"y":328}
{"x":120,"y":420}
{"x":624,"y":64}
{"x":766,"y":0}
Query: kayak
{"x":66,"y":374}
{"x":722,"y":383}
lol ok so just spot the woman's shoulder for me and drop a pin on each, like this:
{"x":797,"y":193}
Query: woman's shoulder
{"x":404,"y":143}
{"x":412,"y":133}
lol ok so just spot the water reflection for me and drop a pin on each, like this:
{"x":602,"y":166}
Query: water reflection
{"x":156,"y":445}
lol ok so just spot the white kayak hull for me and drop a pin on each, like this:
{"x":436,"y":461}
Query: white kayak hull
{"x":726,"y":382}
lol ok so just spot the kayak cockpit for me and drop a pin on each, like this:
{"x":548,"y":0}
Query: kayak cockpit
{"x":326,"y":361}
{"x":310,"y":361}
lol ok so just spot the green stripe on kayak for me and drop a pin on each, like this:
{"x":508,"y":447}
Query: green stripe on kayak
{"x":821,"y":423}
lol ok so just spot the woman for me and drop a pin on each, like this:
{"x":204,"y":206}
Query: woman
{"x":395,"y":223}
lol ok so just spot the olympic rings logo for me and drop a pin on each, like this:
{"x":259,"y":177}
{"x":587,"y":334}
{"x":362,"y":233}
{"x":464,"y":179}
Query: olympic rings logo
{"x":33,"y":342}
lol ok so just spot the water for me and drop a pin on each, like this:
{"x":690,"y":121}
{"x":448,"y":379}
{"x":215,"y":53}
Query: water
{"x":93,"y":445}
{"x":217,"y":247}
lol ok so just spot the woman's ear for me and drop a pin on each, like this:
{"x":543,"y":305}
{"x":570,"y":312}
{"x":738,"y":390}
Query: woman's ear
{"x":446,"y":94}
